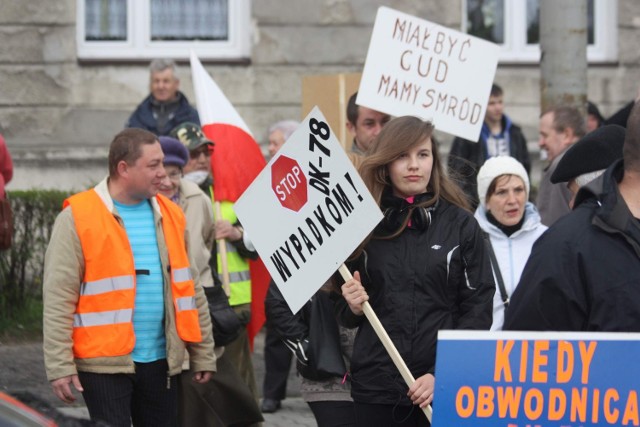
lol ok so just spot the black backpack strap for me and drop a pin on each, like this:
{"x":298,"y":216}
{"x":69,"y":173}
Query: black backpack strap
{"x":496,"y":269}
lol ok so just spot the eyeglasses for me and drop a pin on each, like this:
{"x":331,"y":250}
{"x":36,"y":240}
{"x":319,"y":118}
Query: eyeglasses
{"x":199,"y":152}
{"x":175,"y":175}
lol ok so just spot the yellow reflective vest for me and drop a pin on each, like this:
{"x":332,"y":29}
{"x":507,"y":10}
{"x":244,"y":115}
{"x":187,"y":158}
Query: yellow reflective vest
{"x":239,"y":278}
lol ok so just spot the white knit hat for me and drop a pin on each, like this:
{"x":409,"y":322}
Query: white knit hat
{"x":493,"y":168}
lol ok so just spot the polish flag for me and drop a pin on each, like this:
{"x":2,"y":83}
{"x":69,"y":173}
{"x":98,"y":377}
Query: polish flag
{"x":236,"y":162}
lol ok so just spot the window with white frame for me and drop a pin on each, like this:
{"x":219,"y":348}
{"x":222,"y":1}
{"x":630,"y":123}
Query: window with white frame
{"x":515,"y":25}
{"x":147,"y":29}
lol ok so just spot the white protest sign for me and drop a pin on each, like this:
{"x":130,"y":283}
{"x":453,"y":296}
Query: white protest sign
{"x":419,"y":68}
{"x":307,"y":211}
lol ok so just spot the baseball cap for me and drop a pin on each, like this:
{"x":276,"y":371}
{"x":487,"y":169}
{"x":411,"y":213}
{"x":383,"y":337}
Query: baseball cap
{"x":190,"y":135}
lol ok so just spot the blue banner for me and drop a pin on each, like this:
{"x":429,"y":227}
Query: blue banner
{"x":530,"y":379}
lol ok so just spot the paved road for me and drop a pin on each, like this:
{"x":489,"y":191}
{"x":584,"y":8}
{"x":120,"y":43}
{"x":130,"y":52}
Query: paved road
{"x":22,"y":370}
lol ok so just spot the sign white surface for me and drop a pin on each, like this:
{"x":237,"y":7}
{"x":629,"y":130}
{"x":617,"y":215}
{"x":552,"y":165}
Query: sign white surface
{"x":307,"y":211}
{"x":419,"y":68}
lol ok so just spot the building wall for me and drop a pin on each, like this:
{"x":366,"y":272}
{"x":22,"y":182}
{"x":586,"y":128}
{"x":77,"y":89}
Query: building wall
{"x":58,"y":115}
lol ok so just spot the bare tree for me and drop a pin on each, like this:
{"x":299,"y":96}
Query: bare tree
{"x":563,"y":47}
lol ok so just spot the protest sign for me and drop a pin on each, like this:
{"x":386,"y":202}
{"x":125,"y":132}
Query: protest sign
{"x":419,"y":68}
{"x":518,"y":379}
{"x":307,"y":211}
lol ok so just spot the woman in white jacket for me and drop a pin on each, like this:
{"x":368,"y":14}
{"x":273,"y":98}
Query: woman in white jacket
{"x":511,"y":223}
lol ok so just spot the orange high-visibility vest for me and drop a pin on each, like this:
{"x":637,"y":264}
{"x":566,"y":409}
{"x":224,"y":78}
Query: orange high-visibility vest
{"x":103,"y":321}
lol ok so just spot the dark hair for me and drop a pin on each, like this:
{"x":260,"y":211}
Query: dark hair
{"x":352,"y":109}
{"x":631,"y":147}
{"x":126,"y":146}
{"x":565,"y":116}
{"x":496,"y":90}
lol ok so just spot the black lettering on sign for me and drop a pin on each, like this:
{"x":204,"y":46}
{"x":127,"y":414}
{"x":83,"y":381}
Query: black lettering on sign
{"x":281,"y":266}
{"x":314,"y":230}
{"x":299,"y":247}
{"x":313,"y":143}
{"x":318,"y":178}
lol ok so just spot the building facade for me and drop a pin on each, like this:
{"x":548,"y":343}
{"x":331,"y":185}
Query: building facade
{"x":71,"y":71}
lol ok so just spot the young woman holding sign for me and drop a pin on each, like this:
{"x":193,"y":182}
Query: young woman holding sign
{"x":424,"y":268}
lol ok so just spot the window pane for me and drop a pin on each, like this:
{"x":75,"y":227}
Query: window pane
{"x":485,"y":19}
{"x":590,"y":22}
{"x":533,"y":22}
{"x":105,"y":20}
{"x":189,"y":20}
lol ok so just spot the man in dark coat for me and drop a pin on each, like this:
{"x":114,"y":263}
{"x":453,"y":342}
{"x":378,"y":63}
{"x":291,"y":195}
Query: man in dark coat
{"x":583,"y":273}
{"x":499,"y":137}
{"x":166,"y":107}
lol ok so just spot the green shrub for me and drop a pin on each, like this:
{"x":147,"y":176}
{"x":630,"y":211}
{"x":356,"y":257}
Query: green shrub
{"x":21,"y":267}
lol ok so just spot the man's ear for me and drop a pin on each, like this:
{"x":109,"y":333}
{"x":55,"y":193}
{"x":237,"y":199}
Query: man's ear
{"x":122,"y":168}
{"x":568,"y":136}
{"x":351,"y":127}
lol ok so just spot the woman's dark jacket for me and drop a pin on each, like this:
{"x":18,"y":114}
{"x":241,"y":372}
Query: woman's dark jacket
{"x":295,"y":330}
{"x":418,"y":283}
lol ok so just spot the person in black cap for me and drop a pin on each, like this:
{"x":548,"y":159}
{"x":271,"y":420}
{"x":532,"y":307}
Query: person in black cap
{"x":583,"y":273}
{"x":588,"y":158}
{"x":594,"y":118}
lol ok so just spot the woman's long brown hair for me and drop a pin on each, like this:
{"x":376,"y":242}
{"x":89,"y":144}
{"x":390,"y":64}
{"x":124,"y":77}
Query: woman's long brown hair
{"x":397,"y":137}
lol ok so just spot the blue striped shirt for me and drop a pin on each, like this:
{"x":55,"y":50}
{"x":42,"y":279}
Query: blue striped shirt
{"x":148,"y":313}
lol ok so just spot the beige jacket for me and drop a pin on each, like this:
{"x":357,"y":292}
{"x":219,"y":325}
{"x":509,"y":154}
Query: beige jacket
{"x":63,"y":274}
{"x":199,"y":213}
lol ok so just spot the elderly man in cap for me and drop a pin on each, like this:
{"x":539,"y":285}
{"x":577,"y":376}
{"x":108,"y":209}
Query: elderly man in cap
{"x":238,"y":248}
{"x":198,"y":167}
{"x":583,"y":273}
{"x":588,"y":158}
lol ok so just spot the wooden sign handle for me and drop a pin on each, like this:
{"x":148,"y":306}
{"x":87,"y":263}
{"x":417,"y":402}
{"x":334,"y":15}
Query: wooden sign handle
{"x":222,"y":252}
{"x":386,"y":341}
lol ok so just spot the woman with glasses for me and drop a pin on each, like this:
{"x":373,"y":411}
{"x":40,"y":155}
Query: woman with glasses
{"x":226,"y":399}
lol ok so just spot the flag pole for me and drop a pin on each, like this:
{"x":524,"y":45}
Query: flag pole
{"x":222,"y":248}
{"x":386,"y":341}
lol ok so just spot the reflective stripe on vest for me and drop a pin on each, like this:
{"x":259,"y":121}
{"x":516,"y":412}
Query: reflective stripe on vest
{"x":239,"y":278}
{"x":103,"y":321}
{"x":102,"y":318}
{"x":182,"y":286}
{"x":109,"y":284}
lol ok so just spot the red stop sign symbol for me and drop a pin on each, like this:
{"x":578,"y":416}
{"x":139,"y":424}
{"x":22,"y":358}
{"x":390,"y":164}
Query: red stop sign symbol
{"x":289,"y":183}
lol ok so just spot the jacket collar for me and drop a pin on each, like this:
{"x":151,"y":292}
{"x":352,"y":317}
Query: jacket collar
{"x":179,"y":99}
{"x":531,"y":221}
{"x":103,"y":191}
{"x":612,"y":214}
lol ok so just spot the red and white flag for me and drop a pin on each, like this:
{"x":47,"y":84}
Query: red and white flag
{"x":236,"y":162}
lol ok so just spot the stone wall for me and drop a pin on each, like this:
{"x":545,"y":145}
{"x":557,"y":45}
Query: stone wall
{"x":58,"y":114}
